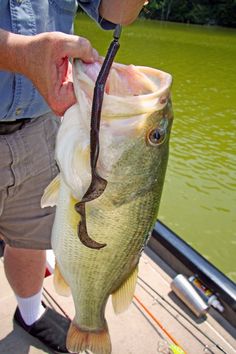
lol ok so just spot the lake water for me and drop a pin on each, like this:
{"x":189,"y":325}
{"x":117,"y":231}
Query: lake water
{"x":199,"y":197}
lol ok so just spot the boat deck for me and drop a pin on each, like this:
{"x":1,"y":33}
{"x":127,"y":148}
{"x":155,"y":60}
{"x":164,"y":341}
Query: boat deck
{"x":135,"y":331}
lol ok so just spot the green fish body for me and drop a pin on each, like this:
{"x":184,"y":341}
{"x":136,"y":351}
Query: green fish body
{"x":134,"y":135}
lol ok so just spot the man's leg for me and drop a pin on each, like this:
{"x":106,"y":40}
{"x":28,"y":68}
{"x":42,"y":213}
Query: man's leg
{"x":25,"y":270}
{"x":29,"y":166}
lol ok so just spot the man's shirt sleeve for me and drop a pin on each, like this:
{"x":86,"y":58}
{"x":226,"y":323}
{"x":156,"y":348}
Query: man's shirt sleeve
{"x":91,"y":7}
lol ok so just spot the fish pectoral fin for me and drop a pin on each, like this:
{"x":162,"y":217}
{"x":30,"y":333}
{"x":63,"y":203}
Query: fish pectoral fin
{"x":78,"y":340}
{"x":50,"y":195}
{"x":60,"y":285}
{"x":122,"y":297}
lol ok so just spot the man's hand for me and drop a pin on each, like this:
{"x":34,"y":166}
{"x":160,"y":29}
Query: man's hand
{"x":121,"y":11}
{"x":49,"y":68}
{"x":44,"y":59}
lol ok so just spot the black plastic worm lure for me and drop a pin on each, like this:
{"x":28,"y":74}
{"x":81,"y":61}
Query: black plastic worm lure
{"x":98,"y":184}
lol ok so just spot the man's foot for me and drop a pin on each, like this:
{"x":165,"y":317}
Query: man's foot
{"x":51,"y":329}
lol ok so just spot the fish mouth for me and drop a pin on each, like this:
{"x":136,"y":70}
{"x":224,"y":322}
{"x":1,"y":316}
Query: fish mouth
{"x":138,"y":89}
{"x":128,"y":80}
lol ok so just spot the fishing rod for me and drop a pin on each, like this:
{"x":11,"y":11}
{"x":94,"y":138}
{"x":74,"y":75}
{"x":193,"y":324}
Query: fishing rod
{"x":182,"y":315}
{"x":171,"y":313}
{"x":155,"y":319}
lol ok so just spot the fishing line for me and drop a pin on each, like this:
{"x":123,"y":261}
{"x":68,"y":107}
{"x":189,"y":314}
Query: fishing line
{"x":158,"y":322}
{"x":51,"y":297}
{"x":155,"y":328}
{"x":182,"y":315}
{"x":176,"y":318}
{"x":49,"y":302}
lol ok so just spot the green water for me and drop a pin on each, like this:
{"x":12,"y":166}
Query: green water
{"x":199,"y":197}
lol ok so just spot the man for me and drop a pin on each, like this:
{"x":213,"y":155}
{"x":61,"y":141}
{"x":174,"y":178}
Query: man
{"x":35,"y":87}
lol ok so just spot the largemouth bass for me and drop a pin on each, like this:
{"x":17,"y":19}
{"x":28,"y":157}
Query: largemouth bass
{"x":134,"y":135}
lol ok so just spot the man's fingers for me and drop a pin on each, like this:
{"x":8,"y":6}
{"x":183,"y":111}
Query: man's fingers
{"x":79,"y":47}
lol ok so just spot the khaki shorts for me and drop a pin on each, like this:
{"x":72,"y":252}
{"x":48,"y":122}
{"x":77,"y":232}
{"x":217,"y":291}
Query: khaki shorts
{"x":27,"y":166}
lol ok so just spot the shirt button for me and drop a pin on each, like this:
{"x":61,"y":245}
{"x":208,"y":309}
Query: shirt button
{"x":18,"y":111}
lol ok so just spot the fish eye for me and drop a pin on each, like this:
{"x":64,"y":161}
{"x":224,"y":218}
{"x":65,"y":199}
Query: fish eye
{"x":156,"y":136}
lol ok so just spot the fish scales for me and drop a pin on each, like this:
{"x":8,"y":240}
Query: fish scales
{"x":133,"y":158}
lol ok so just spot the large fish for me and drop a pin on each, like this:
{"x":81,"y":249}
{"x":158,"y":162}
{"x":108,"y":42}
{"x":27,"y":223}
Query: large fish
{"x":134,"y":134}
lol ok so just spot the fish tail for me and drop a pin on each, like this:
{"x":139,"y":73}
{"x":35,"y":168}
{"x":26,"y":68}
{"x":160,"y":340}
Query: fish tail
{"x":79,"y":340}
{"x":60,"y":285}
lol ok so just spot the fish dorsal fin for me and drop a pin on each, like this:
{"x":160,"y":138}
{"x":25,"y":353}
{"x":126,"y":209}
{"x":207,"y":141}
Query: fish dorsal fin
{"x":50,"y":195}
{"x":122,"y":297}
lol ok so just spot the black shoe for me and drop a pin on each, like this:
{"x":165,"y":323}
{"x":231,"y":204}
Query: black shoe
{"x":51,"y":329}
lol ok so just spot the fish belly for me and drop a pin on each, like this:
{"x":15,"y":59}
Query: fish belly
{"x":94,"y":274}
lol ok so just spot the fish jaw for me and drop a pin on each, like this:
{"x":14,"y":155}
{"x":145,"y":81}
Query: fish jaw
{"x":130,"y":90}
{"x":122,"y":117}
{"x":125,"y":148}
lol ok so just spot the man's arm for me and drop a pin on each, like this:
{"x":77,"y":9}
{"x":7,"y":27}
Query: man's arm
{"x":10,"y":45}
{"x":43,"y":58}
{"x":123,"y":12}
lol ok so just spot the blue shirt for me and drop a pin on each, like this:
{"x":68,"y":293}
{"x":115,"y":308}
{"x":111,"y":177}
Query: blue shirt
{"x":18,"y":96}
